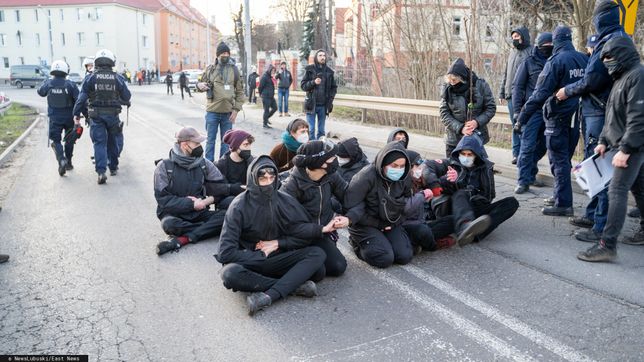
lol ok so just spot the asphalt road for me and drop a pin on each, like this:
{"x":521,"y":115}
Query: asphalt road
{"x":84,"y":277}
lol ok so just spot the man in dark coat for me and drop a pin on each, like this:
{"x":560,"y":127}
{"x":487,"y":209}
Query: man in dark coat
{"x":319,"y":84}
{"x":183,"y":84}
{"x":252,"y":84}
{"x":266,"y":90}
{"x":533,"y":141}
{"x":624,"y":131}
{"x":265,"y":243}
{"x":564,"y":67}
{"x":351,"y":159}
{"x":284,"y":81}
{"x":168,"y":83}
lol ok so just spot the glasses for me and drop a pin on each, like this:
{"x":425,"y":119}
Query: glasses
{"x":328,"y":147}
{"x":266,"y":172}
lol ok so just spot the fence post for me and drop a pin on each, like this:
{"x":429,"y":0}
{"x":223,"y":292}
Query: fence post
{"x":363,"y":119}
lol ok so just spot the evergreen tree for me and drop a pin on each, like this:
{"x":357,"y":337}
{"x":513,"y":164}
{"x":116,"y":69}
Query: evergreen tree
{"x":308,"y":36}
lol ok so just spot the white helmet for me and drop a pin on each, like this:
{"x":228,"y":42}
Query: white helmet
{"x":104,"y":55}
{"x":88,"y":61}
{"x":59,"y":66}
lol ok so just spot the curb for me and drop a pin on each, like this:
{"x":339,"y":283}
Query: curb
{"x":6,"y":155}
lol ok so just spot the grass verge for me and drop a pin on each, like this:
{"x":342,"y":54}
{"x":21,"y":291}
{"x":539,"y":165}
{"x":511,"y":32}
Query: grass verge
{"x":13,"y":123}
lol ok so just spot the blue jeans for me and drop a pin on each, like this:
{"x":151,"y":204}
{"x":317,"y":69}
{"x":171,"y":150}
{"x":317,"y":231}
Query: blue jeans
{"x":282,"y":95}
{"x":216,"y":122}
{"x":516,"y":138}
{"x":597,"y":208}
{"x":320,"y":112}
{"x":103,"y":133}
{"x":533,"y":148}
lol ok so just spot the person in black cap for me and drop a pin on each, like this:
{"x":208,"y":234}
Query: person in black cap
{"x":314,"y":182}
{"x":467,"y":106}
{"x":265,"y":245}
{"x":351,"y":159}
{"x":183,"y":188}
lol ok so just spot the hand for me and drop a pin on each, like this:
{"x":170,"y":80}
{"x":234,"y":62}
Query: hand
{"x":561,"y":94}
{"x":233,"y":116}
{"x":203,"y":86}
{"x":317,"y":81}
{"x":267,"y":247}
{"x":600,"y":149}
{"x":452,"y":175}
{"x":387,"y":228}
{"x":517,"y":128}
{"x":473,"y":124}
{"x":243,"y":187}
{"x":467,"y":130}
{"x":197,"y":203}
{"x":77,"y":120}
{"x":341,"y":222}
{"x":428,"y":194}
{"x":621,"y":159}
{"x":330,"y":227}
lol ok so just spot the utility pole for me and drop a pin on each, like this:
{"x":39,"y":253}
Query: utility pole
{"x":207,"y":34}
{"x":247,"y":45}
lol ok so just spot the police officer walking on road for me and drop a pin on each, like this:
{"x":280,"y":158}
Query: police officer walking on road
{"x":61,"y":96}
{"x":106,"y":91}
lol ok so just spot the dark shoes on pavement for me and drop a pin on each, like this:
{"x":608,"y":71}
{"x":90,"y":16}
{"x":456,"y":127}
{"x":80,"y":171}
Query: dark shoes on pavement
{"x":538,"y":183}
{"x":520,"y":189}
{"x":102,"y":178}
{"x":598,"y":252}
{"x":637,"y":239}
{"x":69,"y":166}
{"x":257,"y":301}
{"x":549,"y":201}
{"x":307,"y":290}
{"x":558,"y":211}
{"x":168,"y":245}
{"x":581,"y":222}
{"x":62,"y":167}
{"x":4,"y":258}
{"x":634,"y":212}
{"x":472,"y":229}
{"x":113,"y":172}
{"x":589,"y":236}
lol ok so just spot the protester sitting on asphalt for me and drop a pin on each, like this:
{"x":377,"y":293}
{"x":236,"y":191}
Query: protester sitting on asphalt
{"x":296,"y":134}
{"x":376,"y":200}
{"x":315,"y":183}
{"x":623,"y":131}
{"x":399,"y":134}
{"x":265,"y":244}
{"x":465,"y":88}
{"x":234,"y":165}
{"x":183,"y":188}
{"x":350,"y":158}
{"x":463,"y":186}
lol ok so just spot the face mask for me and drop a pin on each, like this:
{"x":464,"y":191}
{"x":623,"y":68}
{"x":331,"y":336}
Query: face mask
{"x":546,"y":50}
{"x":303,"y":138}
{"x":343,"y":161}
{"x":467,"y":161}
{"x":394,"y":174}
{"x":244,"y":154}
{"x":613,"y":66}
{"x":417,"y":173}
{"x":197,"y":152}
{"x":267,"y":190}
{"x":224,"y":59}
{"x":332,"y":167}
{"x":516,"y":43}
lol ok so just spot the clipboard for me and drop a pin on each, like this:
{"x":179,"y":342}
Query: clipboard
{"x":594,"y":174}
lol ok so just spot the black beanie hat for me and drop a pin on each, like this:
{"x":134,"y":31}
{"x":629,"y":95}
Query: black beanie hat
{"x":414,"y":157}
{"x":349,"y":148}
{"x":222,"y":48}
{"x":392,"y":156}
{"x":459,"y":68}
{"x":314,"y":154}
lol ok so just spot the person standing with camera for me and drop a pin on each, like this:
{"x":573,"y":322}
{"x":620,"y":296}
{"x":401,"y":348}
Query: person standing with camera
{"x":320,"y":87}
{"x":225,"y":97}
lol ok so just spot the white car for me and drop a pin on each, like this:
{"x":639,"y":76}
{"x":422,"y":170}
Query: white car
{"x":194,"y":75}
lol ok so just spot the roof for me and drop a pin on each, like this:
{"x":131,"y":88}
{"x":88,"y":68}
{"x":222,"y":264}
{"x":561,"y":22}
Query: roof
{"x":149,"y":5}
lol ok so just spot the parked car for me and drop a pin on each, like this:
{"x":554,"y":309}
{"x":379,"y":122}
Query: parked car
{"x":28,"y":75}
{"x":194,"y":76}
{"x":75,"y":77}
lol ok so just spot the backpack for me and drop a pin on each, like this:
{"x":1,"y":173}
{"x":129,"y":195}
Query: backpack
{"x":169,"y":169}
{"x":235,"y":71}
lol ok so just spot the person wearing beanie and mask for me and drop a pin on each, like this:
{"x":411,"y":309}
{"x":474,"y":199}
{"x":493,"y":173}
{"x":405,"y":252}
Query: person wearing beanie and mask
{"x":375,"y":202}
{"x":463,"y":187}
{"x":594,"y":88}
{"x":533,"y":142}
{"x":623,"y":131}
{"x":234,"y":165}
{"x":296,"y":134}
{"x":314,"y":182}
{"x":521,"y":49}
{"x":183,"y":188}
{"x":399,"y":134}
{"x":320,"y":87}
{"x":224,"y":98}
{"x":351,"y":159}
{"x":266,"y":242}
{"x":463,"y":88}
{"x":266,"y":90}
{"x":565,"y":66}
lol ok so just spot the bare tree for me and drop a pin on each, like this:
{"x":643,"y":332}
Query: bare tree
{"x":290,"y":32}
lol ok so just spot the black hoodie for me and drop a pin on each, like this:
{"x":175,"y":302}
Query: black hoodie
{"x":358,"y":159}
{"x":263,"y":213}
{"x":517,"y":56}
{"x":392,"y":134}
{"x":374,"y":200}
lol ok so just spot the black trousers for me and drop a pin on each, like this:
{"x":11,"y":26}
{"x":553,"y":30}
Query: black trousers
{"x":168,"y":89}
{"x":252,"y":98}
{"x":207,"y":225}
{"x":335,"y":263}
{"x":270,"y":107}
{"x":464,"y":210}
{"x":382,"y":248}
{"x":425,"y":234}
{"x":281,"y":271}
{"x":187,"y":90}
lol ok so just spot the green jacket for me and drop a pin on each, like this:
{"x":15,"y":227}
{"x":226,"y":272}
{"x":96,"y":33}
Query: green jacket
{"x":228,"y":89}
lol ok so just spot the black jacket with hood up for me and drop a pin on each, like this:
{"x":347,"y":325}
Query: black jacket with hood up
{"x":358,"y":159}
{"x":392,"y":134}
{"x":516,"y":57}
{"x":266,"y":87}
{"x":263,"y":213}
{"x":374,"y":200}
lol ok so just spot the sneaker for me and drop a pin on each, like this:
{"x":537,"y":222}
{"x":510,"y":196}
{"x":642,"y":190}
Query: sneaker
{"x":538,"y":183}
{"x":634,"y":212}
{"x":102,"y":178}
{"x":4,"y":258}
{"x":61,"y":167}
{"x":589,"y":236}
{"x":307,"y":290}
{"x":598,"y":252}
{"x":167,"y":245}
{"x":581,"y":222}
{"x":69,"y":166}
{"x":471,"y":229}
{"x":257,"y":301}
{"x":514,"y":160}
{"x":417,"y":249}
{"x":267,"y":126}
{"x":549,"y":201}
{"x":558,"y":211}
{"x":637,"y":239}
{"x":113,"y":172}
{"x":520,"y":189}
{"x":445,"y":243}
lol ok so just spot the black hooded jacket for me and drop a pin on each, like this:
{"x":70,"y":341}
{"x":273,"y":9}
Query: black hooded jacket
{"x":374,"y":200}
{"x":479,"y":179}
{"x":517,"y":56}
{"x":624,"y":126}
{"x":324,"y":93}
{"x":263,"y":213}
{"x":358,"y":160}
{"x":266,"y":87}
{"x":392,"y":134}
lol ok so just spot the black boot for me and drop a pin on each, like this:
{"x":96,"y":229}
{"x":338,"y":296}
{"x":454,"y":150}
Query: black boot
{"x":598,"y":252}
{"x":168,"y":245}
{"x":62,"y":163}
{"x":520,"y":189}
{"x":581,"y":221}
{"x":307,"y":290}
{"x":558,"y":211}
{"x":102,"y":178}
{"x":257,"y":301}
{"x":469,"y":230}
{"x":589,"y":236}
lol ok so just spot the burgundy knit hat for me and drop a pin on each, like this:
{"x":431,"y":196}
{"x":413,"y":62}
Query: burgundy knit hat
{"x":235,"y":137}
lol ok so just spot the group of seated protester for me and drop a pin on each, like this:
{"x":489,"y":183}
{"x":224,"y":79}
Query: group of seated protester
{"x":278,"y":216}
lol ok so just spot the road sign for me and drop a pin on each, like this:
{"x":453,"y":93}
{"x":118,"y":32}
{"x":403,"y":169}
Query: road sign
{"x":628,"y":11}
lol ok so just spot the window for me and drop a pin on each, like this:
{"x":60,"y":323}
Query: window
{"x":489,"y":34}
{"x":99,"y":39}
{"x":3,"y":40}
{"x":81,"y":39}
{"x":22,"y":60}
{"x":99,"y":13}
{"x":62,"y":39}
{"x":456,"y":26}
{"x":1,"y":16}
{"x":80,"y":13}
{"x":36,"y":14}
{"x":17,"y":16}
{"x":145,"y":41}
{"x":487,"y":63}
{"x":37,"y":40}
{"x":19,"y":37}
{"x":5,"y":60}
{"x":144,"y":18}
{"x":62,"y":15}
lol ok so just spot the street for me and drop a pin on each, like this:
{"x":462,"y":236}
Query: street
{"x":84,"y":277}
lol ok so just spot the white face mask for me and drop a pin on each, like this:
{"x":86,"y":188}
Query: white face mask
{"x":343,"y":161}
{"x":303,"y":138}
{"x":417,"y":173}
{"x":467,"y":161}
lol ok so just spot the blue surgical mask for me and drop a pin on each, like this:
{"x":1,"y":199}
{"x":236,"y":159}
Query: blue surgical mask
{"x":394,"y":174}
{"x":467,"y":161}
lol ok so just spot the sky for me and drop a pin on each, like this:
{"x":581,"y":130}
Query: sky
{"x":259,"y":10}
